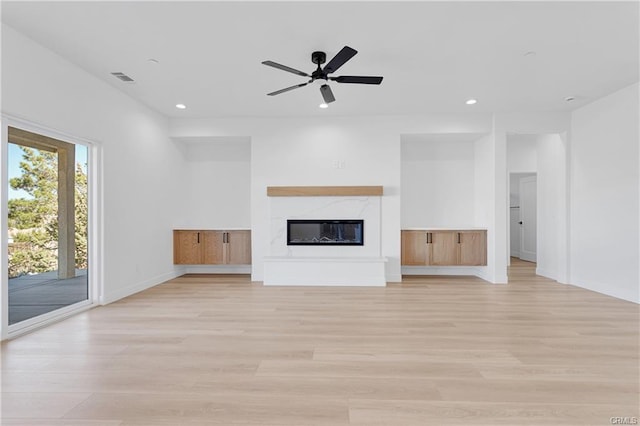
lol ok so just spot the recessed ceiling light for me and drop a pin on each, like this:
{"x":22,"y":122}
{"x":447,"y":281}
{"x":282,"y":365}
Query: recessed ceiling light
{"x":471,"y":101}
{"x":323,"y":105}
{"x":181,"y":106}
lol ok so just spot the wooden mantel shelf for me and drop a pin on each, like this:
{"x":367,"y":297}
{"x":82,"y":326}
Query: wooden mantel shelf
{"x":323,"y":191}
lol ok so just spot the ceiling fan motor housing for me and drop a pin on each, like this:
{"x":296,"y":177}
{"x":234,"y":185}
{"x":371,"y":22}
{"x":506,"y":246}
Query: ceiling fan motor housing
{"x":318,"y":57}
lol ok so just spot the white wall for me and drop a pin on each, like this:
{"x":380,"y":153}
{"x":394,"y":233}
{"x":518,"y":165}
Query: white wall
{"x":522,"y":155}
{"x":484,"y":201}
{"x":552,"y":203}
{"x":604,"y":182}
{"x":437,"y":182}
{"x":142,"y":169}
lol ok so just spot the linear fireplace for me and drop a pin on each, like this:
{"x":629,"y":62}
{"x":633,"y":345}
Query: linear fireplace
{"x":325,"y":232}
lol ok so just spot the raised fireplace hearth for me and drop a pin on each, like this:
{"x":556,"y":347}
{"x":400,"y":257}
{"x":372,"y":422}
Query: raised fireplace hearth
{"x":325,"y":232}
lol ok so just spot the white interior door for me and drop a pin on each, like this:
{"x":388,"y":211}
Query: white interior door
{"x":528,"y":214}
{"x":514,"y":230}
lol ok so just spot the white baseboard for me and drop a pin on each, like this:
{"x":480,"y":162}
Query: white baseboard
{"x":545,"y":273}
{"x":394,"y":278}
{"x":138,"y":287}
{"x":497,"y":279}
{"x":528,"y":256}
{"x":597,"y":287}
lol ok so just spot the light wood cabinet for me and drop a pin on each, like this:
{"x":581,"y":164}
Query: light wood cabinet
{"x":238,"y":250}
{"x":211,"y":247}
{"x":187,"y":249}
{"x":414,"y":248}
{"x":444,"y":247}
{"x":472,"y":248}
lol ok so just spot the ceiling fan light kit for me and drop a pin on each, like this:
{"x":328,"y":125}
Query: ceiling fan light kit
{"x":320,"y":73}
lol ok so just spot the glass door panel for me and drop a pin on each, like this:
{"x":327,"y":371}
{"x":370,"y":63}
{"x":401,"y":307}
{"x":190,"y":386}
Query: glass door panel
{"x":47,"y":225}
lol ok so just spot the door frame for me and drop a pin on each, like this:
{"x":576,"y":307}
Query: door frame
{"x":95,"y":251}
{"x":510,"y":176}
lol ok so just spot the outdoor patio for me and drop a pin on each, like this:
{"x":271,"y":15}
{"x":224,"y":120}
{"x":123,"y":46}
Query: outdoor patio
{"x":33,"y":295}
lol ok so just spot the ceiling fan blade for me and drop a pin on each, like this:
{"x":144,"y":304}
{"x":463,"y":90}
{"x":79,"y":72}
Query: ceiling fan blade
{"x":277,"y":92}
{"x":327,"y":94}
{"x":285,"y":68}
{"x":339,"y":60}
{"x":357,"y":79}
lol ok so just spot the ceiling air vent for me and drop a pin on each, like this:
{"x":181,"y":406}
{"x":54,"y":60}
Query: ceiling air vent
{"x":122,"y":76}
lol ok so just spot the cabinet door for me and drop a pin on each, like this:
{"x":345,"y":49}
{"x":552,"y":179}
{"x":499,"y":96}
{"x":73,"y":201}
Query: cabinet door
{"x":213,"y":247}
{"x":238,"y":250}
{"x":187,"y":247}
{"x":414,"y":248}
{"x":473,"y":248}
{"x":443,"y":248}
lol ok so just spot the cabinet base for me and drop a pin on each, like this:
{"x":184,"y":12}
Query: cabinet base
{"x":442,"y":270}
{"x":216,"y":269}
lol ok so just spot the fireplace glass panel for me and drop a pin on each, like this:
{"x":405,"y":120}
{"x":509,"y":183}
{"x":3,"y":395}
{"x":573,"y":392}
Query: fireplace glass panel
{"x":322,"y":232}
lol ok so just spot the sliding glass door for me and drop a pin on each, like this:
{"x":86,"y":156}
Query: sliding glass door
{"x":47,"y":220}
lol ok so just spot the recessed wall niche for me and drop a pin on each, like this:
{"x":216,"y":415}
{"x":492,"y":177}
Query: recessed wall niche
{"x":217,"y":174}
{"x":438,"y":180}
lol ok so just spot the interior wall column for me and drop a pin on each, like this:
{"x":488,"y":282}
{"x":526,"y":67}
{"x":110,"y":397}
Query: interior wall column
{"x":501,"y":202}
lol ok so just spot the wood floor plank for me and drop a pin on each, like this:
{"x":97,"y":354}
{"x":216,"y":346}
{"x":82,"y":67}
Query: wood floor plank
{"x":419,"y":413}
{"x":533,"y":389}
{"x":500,"y":357}
{"x":321,"y":387}
{"x":348,"y":369}
{"x":564,"y":371}
{"x":219,"y":349}
{"x":97,"y":381}
{"x":215,"y":408}
{"x":39,"y":405}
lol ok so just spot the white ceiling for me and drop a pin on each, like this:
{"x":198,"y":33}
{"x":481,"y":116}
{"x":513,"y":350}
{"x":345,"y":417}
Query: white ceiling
{"x":433,"y":55}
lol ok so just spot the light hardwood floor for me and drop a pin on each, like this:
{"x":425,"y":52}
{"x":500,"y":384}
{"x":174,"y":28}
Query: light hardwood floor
{"x":430,"y":351}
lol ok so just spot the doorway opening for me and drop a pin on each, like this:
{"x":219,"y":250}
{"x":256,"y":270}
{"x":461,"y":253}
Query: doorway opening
{"x":523,"y":216}
{"x":537,"y":181}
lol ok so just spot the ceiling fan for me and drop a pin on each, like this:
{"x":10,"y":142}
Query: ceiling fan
{"x":320,"y":73}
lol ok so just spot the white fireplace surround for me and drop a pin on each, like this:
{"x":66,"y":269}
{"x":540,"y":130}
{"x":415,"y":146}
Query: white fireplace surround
{"x":325,"y":265}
